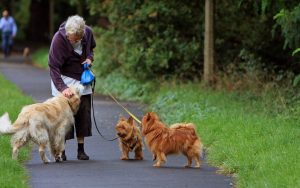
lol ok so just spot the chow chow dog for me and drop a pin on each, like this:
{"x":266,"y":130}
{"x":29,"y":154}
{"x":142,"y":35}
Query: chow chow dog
{"x":129,"y":138}
{"x":178,"y":138}
{"x":46,"y":124}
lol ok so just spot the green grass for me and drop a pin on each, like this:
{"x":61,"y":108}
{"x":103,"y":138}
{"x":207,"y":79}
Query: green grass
{"x":40,"y":57}
{"x":244,"y":134}
{"x":13,"y":173}
{"x":123,"y":87}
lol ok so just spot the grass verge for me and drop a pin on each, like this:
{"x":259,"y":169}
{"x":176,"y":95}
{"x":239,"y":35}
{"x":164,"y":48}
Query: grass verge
{"x":244,"y":134}
{"x":40,"y":57}
{"x":13,"y":173}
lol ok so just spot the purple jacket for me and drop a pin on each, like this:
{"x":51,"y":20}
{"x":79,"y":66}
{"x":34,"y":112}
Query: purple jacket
{"x":63,"y":60}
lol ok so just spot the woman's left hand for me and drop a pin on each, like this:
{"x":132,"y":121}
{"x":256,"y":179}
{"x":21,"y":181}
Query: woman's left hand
{"x":88,"y":61}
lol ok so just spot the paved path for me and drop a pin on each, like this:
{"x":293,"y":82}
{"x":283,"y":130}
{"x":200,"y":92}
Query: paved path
{"x":104,"y":169}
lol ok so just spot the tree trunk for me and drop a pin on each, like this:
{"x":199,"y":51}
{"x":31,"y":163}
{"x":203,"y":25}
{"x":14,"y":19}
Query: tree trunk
{"x":38,"y":26}
{"x":80,"y":6}
{"x":209,"y":42}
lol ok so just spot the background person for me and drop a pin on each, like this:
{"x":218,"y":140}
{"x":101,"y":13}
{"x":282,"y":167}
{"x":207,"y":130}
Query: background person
{"x":9,"y":31}
{"x":72,"y":45}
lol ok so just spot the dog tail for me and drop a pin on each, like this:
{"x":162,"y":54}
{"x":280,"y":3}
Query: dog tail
{"x":6,"y":126}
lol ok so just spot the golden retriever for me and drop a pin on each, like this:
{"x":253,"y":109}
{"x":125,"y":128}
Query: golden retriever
{"x":44,"y":123}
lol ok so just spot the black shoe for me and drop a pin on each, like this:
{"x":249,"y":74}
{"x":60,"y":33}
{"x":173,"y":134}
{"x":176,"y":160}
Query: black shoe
{"x":82,"y":156}
{"x":63,"y":156}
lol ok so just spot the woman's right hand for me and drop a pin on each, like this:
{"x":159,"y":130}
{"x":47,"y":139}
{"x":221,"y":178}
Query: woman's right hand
{"x":68,"y":93}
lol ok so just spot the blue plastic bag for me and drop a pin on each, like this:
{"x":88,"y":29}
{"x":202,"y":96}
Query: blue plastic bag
{"x":87,"y":76}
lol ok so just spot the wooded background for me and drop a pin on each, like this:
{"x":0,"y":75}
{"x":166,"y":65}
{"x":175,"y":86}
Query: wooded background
{"x":165,"y":39}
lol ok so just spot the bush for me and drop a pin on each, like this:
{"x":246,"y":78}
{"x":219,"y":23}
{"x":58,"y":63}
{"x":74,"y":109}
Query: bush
{"x":152,"y":39}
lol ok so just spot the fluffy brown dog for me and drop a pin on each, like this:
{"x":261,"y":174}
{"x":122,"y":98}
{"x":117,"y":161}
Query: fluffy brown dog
{"x":44,"y":123}
{"x":179,"y":138}
{"x":129,"y":138}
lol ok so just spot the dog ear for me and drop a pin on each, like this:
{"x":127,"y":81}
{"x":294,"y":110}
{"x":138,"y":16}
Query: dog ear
{"x":148,"y":116}
{"x":122,"y":118}
{"x":152,"y":115}
{"x":74,"y":103}
{"x":130,"y":120}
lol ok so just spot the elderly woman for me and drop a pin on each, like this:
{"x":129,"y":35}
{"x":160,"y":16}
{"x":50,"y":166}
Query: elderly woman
{"x":71,"y":46}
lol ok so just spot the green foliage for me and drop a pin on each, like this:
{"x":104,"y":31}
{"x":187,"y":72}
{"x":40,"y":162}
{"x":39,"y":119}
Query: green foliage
{"x":296,"y":81}
{"x":21,"y":15}
{"x":94,"y":6}
{"x":296,"y":51}
{"x":108,"y":51}
{"x":289,"y":21}
{"x":152,"y":39}
{"x":259,"y":6}
{"x":124,"y":87}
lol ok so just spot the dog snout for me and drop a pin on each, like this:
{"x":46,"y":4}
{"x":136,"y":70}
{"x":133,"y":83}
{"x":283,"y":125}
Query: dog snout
{"x":120,"y":134}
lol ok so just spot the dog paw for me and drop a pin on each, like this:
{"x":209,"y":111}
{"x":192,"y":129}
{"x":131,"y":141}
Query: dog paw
{"x":124,"y":158}
{"x":46,"y":161}
{"x":197,"y":166}
{"x":138,"y":158}
{"x":153,"y":157}
{"x":187,"y":166}
{"x":58,"y":159}
{"x":156,"y":165}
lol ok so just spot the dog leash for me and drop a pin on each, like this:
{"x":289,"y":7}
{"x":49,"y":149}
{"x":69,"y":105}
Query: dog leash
{"x":131,"y":114}
{"x":92,"y":101}
{"x":93,"y":89}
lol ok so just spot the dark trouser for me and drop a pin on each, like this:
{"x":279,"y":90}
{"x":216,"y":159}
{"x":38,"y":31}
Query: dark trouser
{"x":7,"y":42}
{"x":83,"y":123}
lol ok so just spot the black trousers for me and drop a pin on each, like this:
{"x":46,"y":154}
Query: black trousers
{"x":83,"y":122}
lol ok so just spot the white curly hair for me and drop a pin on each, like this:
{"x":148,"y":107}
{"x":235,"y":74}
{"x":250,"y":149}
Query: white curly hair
{"x":75,"y":25}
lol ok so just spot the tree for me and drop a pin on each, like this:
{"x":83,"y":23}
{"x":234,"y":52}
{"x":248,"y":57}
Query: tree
{"x":209,"y":56}
{"x":38,"y":28}
{"x":51,"y":18}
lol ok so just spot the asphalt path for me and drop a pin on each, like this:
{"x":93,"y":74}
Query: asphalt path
{"x":104,"y":169}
